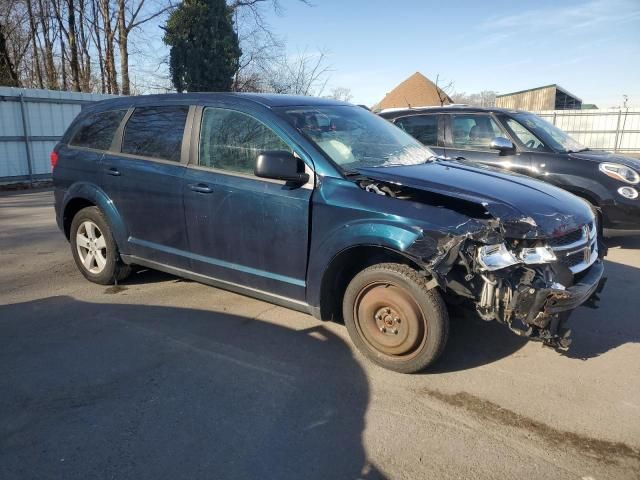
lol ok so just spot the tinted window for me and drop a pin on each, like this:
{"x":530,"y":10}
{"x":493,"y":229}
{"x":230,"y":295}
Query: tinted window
{"x":473,"y":131}
{"x":155,"y":132}
{"x":97,"y":130}
{"x":423,"y":128}
{"x":232,"y":140}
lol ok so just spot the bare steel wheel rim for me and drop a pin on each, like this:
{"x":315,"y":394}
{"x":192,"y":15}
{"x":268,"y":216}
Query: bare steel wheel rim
{"x":389,"y":320}
{"x":91,"y":247}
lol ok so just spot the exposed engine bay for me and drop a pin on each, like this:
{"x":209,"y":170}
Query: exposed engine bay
{"x":502,"y":267}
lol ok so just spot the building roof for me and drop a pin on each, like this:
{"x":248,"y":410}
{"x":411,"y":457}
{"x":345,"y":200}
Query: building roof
{"x":415,"y":91}
{"x":553,"y":85}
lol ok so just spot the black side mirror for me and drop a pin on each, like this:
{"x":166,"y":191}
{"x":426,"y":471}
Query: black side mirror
{"x":502,"y":144}
{"x":280,"y":165}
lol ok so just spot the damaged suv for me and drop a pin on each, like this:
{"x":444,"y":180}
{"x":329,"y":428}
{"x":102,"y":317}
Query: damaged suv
{"x":326,"y":208}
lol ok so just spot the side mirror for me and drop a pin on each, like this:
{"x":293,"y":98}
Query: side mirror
{"x":501,"y":144}
{"x":280,"y":165}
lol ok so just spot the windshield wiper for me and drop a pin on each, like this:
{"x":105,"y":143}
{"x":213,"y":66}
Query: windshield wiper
{"x":586,"y":149}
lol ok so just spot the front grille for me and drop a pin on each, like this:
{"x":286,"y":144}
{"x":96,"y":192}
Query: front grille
{"x":572,"y":260}
{"x":567,"y":239}
{"x":576,"y":250}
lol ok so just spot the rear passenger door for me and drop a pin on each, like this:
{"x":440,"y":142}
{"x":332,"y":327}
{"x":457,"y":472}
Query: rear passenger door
{"x":244,"y":229}
{"x":428,"y":129}
{"x":469,"y":135}
{"x":143,"y":177}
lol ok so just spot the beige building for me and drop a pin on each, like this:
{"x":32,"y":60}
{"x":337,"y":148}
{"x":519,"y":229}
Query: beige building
{"x":549,"y":97}
{"x":415,"y":91}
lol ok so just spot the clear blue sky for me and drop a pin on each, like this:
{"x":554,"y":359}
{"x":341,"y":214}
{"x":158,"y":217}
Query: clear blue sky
{"x":591,"y":48}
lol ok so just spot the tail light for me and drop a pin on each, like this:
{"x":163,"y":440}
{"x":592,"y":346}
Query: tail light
{"x":54,"y":159}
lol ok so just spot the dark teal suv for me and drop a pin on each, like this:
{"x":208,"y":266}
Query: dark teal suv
{"x":323,"y":207}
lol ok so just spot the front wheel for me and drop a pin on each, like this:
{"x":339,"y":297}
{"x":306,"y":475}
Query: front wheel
{"x":94,"y":249}
{"x":394,"y":319}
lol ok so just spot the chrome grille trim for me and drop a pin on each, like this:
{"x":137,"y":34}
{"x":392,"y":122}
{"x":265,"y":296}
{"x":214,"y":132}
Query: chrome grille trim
{"x":586,"y":247}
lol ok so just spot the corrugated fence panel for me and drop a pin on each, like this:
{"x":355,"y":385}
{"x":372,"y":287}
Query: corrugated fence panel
{"x":49,"y":113}
{"x":610,"y":129}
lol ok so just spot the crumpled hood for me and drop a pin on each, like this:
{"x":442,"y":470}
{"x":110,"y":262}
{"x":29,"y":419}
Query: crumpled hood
{"x":526,"y":208}
{"x":600,"y":157}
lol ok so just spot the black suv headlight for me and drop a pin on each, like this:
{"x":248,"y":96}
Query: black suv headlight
{"x":620,"y":172}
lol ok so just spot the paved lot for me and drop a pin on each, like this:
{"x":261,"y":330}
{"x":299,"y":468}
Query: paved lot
{"x":165,"y":378}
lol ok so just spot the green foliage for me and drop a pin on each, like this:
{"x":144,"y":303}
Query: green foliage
{"x":204,"y":48}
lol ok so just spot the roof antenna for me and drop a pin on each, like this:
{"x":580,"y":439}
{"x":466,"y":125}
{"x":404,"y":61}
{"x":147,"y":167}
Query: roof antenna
{"x":408,"y":104}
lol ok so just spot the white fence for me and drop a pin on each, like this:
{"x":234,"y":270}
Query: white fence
{"x":31,"y":122}
{"x":611,"y":129}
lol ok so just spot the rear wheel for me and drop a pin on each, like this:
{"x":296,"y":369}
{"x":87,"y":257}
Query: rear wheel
{"x":94,"y":249}
{"x":394,"y":319}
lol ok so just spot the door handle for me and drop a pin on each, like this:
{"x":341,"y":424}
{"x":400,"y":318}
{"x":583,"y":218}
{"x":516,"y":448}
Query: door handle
{"x":112,"y":171}
{"x":200,"y":188}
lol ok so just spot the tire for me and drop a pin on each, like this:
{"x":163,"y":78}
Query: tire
{"x":394,"y":319}
{"x":94,"y":249}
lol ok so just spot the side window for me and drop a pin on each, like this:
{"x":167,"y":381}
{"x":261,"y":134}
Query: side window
{"x":231,"y":140}
{"x":423,"y":128}
{"x":527,"y":138}
{"x":473,"y":131}
{"x":155,"y":132}
{"x":97,"y":130}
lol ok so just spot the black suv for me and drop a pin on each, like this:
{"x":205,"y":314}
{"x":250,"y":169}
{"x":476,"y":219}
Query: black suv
{"x":523,"y":142}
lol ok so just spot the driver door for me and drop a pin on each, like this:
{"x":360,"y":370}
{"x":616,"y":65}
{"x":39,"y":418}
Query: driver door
{"x":468,"y":136}
{"x":242,"y":229}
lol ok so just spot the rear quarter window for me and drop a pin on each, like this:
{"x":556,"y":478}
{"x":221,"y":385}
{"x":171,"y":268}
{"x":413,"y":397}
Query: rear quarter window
{"x":96,"y":131}
{"x":155,"y":132}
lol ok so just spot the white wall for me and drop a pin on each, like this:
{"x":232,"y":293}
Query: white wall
{"x":48,"y":116}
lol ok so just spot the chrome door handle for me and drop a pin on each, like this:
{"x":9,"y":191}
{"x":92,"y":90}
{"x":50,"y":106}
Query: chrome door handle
{"x":112,"y":171}
{"x":200,"y":188}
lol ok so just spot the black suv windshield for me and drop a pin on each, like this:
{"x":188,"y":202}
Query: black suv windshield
{"x":549,"y":134}
{"x":354,"y":138}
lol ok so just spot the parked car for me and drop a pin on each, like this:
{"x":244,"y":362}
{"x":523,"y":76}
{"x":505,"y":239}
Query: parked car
{"x":323,"y":207}
{"x":525,"y":143}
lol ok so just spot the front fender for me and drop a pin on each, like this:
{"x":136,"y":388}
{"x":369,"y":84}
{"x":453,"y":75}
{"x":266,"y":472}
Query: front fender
{"x":97,"y":196}
{"x":358,"y":233}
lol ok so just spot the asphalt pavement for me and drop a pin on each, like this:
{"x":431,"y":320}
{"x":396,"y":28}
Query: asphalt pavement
{"x":163,"y":378}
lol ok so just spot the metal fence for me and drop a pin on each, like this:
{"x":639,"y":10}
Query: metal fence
{"x":614,"y":130}
{"x":31,"y":122}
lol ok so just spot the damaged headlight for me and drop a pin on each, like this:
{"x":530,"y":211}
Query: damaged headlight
{"x":495,"y":257}
{"x":532,"y":256}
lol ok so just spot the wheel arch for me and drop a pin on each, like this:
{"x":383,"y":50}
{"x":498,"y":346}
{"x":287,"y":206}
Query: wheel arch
{"x":345,"y":265}
{"x":82,"y":195}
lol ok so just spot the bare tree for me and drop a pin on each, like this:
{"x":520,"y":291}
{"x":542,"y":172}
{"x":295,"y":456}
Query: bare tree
{"x":443,"y":91}
{"x":485,"y":98}
{"x":340,"y":93}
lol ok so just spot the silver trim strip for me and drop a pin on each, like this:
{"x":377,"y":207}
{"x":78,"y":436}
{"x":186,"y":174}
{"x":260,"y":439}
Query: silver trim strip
{"x":223,"y":284}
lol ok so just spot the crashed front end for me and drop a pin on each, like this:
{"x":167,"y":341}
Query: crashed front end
{"x":531,"y":285}
{"x":507,"y":266}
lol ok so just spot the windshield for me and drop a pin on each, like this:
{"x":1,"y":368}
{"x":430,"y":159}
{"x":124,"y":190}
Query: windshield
{"x":354,"y":138}
{"x":549,"y":134}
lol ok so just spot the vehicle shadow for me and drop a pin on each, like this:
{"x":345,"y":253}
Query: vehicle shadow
{"x":474,"y":343}
{"x":126,"y":391}
{"x":615,"y":322}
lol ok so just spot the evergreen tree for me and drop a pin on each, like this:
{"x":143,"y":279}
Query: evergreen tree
{"x":204,"y":49}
